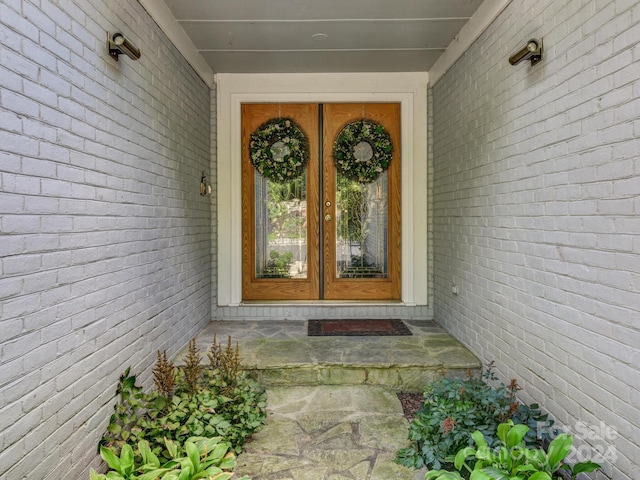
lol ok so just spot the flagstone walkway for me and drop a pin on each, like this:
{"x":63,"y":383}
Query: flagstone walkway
{"x":333,"y":412}
{"x":328,"y":432}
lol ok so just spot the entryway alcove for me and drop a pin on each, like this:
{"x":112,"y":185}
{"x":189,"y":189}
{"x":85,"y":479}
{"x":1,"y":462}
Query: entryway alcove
{"x":318,"y":233}
{"x":407,"y":261}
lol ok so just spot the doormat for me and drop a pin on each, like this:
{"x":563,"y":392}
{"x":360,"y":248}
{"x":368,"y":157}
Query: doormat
{"x":353,"y":328}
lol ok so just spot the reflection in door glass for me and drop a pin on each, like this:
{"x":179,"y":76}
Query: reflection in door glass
{"x":361,"y":223}
{"x":281,"y":228}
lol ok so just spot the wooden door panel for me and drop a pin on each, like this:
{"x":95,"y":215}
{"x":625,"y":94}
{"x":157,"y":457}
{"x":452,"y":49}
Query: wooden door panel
{"x":254,"y":288}
{"x":336,"y":116}
{"x":330,"y":286}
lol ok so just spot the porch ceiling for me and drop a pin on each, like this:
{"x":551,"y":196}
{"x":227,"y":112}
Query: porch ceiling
{"x":311,"y":36}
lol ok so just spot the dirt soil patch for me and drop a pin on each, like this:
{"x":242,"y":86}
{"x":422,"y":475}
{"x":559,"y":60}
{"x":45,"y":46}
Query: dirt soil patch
{"x":411,"y":403}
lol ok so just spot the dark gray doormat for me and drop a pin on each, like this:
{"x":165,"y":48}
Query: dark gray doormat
{"x":359,"y":327}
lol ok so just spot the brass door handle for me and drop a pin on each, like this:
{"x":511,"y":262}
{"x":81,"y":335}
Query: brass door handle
{"x":327,"y":217}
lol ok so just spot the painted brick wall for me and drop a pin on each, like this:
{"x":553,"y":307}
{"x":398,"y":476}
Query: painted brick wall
{"x":304,"y":312}
{"x":536,"y":193}
{"x":104,"y":238}
{"x":430,"y":199}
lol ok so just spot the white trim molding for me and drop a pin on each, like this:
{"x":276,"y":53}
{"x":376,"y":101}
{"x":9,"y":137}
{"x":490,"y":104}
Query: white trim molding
{"x":469,"y":33}
{"x":409,"y":89}
{"x":163,"y":16}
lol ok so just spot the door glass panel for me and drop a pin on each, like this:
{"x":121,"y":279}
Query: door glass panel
{"x":361,"y":228}
{"x":281,"y":228}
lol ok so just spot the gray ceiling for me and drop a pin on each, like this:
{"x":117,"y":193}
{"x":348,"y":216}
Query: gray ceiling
{"x":308,"y":36}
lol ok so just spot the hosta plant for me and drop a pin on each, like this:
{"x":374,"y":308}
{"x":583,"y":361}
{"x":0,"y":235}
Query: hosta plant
{"x":204,"y":458}
{"x":513,"y":459}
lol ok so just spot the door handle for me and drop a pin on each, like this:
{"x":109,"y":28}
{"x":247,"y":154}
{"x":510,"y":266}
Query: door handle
{"x":327,"y":217}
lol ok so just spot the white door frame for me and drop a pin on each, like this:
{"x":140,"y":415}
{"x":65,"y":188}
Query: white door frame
{"x":408,"y":89}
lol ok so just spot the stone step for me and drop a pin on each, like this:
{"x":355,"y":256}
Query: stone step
{"x":281,"y":353}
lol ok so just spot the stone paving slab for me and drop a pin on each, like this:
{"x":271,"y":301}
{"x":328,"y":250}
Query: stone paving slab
{"x":281,"y":353}
{"x":332,"y":410}
{"x":341,"y":432}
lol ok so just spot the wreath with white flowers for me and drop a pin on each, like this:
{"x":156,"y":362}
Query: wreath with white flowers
{"x":279,"y":150}
{"x":362,"y":151}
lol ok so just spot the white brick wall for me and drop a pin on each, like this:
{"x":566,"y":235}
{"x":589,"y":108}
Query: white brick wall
{"x":536,"y":188}
{"x":304,"y":312}
{"x":104,"y":238}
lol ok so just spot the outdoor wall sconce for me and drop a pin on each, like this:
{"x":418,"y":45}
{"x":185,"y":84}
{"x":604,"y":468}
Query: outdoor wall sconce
{"x":531,"y":51}
{"x":205,"y":189}
{"x":118,"y":44}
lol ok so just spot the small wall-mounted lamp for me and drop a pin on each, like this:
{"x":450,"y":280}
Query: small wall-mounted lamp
{"x":531,"y":51}
{"x":117,"y":44}
{"x":205,"y":189}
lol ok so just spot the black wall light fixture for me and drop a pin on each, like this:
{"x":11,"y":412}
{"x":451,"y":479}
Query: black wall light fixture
{"x":117,"y":44}
{"x":531,"y":51}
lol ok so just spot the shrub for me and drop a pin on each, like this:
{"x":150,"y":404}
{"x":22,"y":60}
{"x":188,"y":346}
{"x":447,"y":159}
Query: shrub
{"x":190,"y":401}
{"x":513,"y":459}
{"x":454,"y":408}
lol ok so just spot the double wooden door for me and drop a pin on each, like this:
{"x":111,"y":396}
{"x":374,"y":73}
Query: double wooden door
{"x":321,"y":235}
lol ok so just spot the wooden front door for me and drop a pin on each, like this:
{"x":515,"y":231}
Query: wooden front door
{"x":323,"y":235}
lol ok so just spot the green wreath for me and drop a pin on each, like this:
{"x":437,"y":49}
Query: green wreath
{"x":362,"y":151}
{"x":279,"y":150}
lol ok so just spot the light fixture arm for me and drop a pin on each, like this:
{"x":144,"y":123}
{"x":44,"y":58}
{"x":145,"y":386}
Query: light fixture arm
{"x":531,"y":51}
{"x":117,"y":44}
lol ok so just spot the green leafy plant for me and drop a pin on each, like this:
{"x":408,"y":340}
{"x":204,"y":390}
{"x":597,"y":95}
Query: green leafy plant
{"x":208,"y":458}
{"x":204,"y":458}
{"x":126,"y":411}
{"x":454,"y":408}
{"x":513,"y":459}
{"x":286,"y":207}
{"x":278,"y":265}
{"x":122,"y":467}
{"x":222,"y":401}
{"x":360,"y":268}
{"x":351,"y":199}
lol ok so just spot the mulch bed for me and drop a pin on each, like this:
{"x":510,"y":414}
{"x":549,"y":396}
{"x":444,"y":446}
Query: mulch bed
{"x":411,"y":403}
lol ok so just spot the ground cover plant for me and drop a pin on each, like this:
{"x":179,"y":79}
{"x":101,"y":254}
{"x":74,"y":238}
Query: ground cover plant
{"x":453,"y":409}
{"x":208,"y":458}
{"x":191,"y":406}
{"x":513,"y":459}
